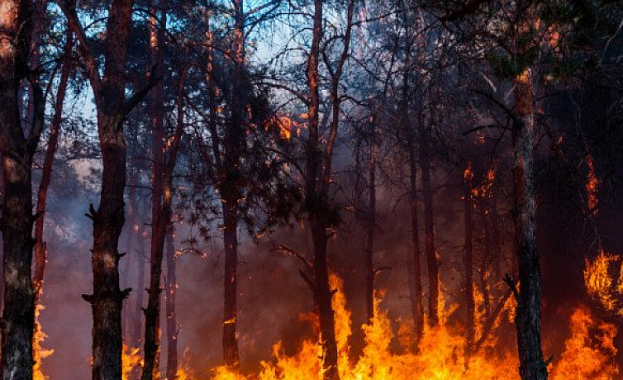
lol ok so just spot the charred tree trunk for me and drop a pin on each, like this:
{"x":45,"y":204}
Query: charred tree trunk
{"x":171,"y":289}
{"x":485,"y":267}
{"x":46,"y":176}
{"x":107,"y":298}
{"x":132,"y":236}
{"x":231,"y":189}
{"x":371,"y":224}
{"x":468,"y":260}
{"x":415,"y":283}
{"x":528,"y":317}
{"x":429,"y":229}
{"x":17,"y":149}
{"x":230,"y":339}
{"x":528,"y":314}
{"x":112,"y":108}
{"x":496,"y":240}
{"x":316,"y":203}
{"x":417,"y":308}
{"x":19,"y":306}
{"x":427,"y":191}
{"x":324,"y":295}
{"x":137,"y":325}
{"x":160,"y":217}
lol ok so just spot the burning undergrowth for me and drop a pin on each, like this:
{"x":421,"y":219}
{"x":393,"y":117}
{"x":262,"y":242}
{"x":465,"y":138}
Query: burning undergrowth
{"x":440,"y":353}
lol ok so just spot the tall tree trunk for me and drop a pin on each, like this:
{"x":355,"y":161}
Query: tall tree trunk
{"x":496,"y":240}
{"x":112,"y":108}
{"x":528,"y":314}
{"x":371,"y":223}
{"x":161,"y":224}
{"x":324,"y":295}
{"x":160,"y":219}
{"x":19,"y":307}
{"x":429,"y":229}
{"x":528,"y":317}
{"x":171,"y":290}
{"x":485,"y":268}
{"x":230,"y":316}
{"x":415,"y":272}
{"x":231,"y":189}
{"x":46,"y":176}
{"x":132,"y":229}
{"x":417,"y":308}
{"x":427,"y":191}
{"x":468,"y":260}
{"x":107,"y":298}
{"x":17,"y":148}
{"x":137,"y":325}
{"x":316,"y":203}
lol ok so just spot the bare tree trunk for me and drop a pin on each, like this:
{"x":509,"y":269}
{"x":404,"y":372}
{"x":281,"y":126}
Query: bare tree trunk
{"x":228,"y":166}
{"x":528,"y":314}
{"x":316,"y":202}
{"x":417,"y":308}
{"x":468,"y":260}
{"x":230,"y":339}
{"x":496,"y":240}
{"x":17,"y":148}
{"x":107,"y":297}
{"x":171,"y":289}
{"x":137,"y":328}
{"x":415,"y":272}
{"x":230,"y":189}
{"x":485,"y":268}
{"x":19,"y":307}
{"x":371,"y":224}
{"x":55,"y":128}
{"x":133,"y":231}
{"x":112,"y":108}
{"x":429,"y":229}
{"x":159,"y":220}
{"x":528,"y":317}
{"x":323,"y":295}
{"x":427,"y":192}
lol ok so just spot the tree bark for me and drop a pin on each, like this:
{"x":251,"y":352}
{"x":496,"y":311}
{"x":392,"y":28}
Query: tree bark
{"x":528,"y":316}
{"x":137,"y":325}
{"x":324,"y":295}
{"x":160,"y":216}
{"x":171,"y":290}
{"x":427,"y":192}
{"x":429,"y":229}
{"x":415,"y":272}
{"x":17,"y":148}
{"x":316,"y":205}
{"x":371,"y":223}
{"x":112,"y":108}
{"x":230,"y":316}
{"x":231,"y":189}
{"x":46,"y":176}
{"x":468,"y":260}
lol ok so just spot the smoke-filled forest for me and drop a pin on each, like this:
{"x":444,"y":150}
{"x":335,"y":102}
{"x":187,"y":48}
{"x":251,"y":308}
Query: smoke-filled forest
{"x":311,"y":189}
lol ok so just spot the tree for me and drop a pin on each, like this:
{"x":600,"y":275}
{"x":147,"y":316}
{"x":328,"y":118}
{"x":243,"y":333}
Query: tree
{"x":112,"y":107}
{"x":18,"y":143}
{"x":162,"y":192}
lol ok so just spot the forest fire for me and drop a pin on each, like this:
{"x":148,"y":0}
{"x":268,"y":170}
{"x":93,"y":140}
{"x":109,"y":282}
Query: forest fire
{"x":311,"y":189}
{"x":588,"y":353}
